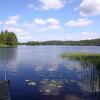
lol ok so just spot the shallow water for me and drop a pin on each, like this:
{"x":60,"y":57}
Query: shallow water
{"x":39,"y":73}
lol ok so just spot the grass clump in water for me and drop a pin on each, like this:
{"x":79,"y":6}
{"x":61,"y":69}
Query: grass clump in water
{"x":81,"y":55}
{"x":93,"y":58}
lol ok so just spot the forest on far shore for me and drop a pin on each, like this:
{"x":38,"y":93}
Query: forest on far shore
{"x":92,"y":42}
{"x":9,"y":38}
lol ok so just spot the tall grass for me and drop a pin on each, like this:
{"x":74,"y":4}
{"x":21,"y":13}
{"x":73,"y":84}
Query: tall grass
{"x":93,"y":58}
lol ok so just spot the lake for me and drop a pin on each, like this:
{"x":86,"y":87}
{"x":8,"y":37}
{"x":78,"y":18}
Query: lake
{"x":40,"y":73}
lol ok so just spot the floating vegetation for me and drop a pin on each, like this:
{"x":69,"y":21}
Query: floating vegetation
{"x":30,"y":82}
{"x":51,"y":87}
{"x":47,"y":87}
{"x":47,"y":91}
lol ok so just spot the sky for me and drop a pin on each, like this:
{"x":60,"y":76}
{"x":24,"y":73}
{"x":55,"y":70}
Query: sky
{"x":42,"y":20}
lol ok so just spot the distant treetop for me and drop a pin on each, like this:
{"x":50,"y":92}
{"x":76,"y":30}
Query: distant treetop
{"x":8,"y":38}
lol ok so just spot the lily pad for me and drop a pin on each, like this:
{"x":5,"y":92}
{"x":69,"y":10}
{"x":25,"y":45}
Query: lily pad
{"x":47,"y":91}
{"x":32,"y":83}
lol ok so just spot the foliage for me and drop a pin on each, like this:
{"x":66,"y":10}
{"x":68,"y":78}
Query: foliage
{"x":92,"y":58}
{"x":7,"y":38}
{"x":93,"y":42}
{"x":82,"y":55}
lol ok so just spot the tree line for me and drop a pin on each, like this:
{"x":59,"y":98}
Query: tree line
{"x":8,"y":38}
{"x":92,"y":42}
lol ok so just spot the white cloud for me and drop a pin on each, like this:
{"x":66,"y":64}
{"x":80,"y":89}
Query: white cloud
{"x":45,"y":25}
{"x":30,"y":5}
{"x":38,"y":21}
{"x":54,"y":23}
{"x":79,"y":22}
{"x":85,"y":35}
{"x":14,"y":29}
{"x":22,"y":34}
{"x":89,"y":7}
{"x":43,"y":29}
{"x":51,"y":4}
{"x":1,"y":22}
{"x":12,"y":20}
{"x":25,"y":36}
{"x":51,"y":21}
{"x":88,"y":35}
{"x":74,"y":36}
{"x":11,"y":24}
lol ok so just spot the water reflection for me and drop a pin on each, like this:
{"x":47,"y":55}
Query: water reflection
{"x":52,"y":65}
{"x":8,"y":57}
{"x":49,"y":76}
{"x":89,"y":78}
{"x":76,"y":79}
{"x":51,"y":87}
{"x":48,"y":87}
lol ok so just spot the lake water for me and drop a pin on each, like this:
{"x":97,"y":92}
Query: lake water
{"x":39,"y":73}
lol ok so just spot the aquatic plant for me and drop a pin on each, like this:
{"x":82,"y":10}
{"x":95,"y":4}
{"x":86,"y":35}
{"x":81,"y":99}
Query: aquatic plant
{"x":90,"y":65}
{"x":47,"y":87}
{"x":81,"y":55}
{"x":30,"y":82}
{"x":51,"y":87}
{"x":93,"y":58}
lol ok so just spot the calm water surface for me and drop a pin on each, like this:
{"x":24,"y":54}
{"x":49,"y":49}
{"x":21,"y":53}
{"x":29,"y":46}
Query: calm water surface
{"x":39,"y":73}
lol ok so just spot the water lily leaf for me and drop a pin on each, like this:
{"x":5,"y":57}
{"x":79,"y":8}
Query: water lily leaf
{"x":52,"y":85}
{"x":32,"y":83}
{"x":47,"y":91}
{"x":54,"y":81}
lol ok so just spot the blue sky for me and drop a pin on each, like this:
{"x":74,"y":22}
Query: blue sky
{"x":41,"y":20}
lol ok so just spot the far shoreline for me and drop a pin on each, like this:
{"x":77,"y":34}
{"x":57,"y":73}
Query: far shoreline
{"x":10,"y":46}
